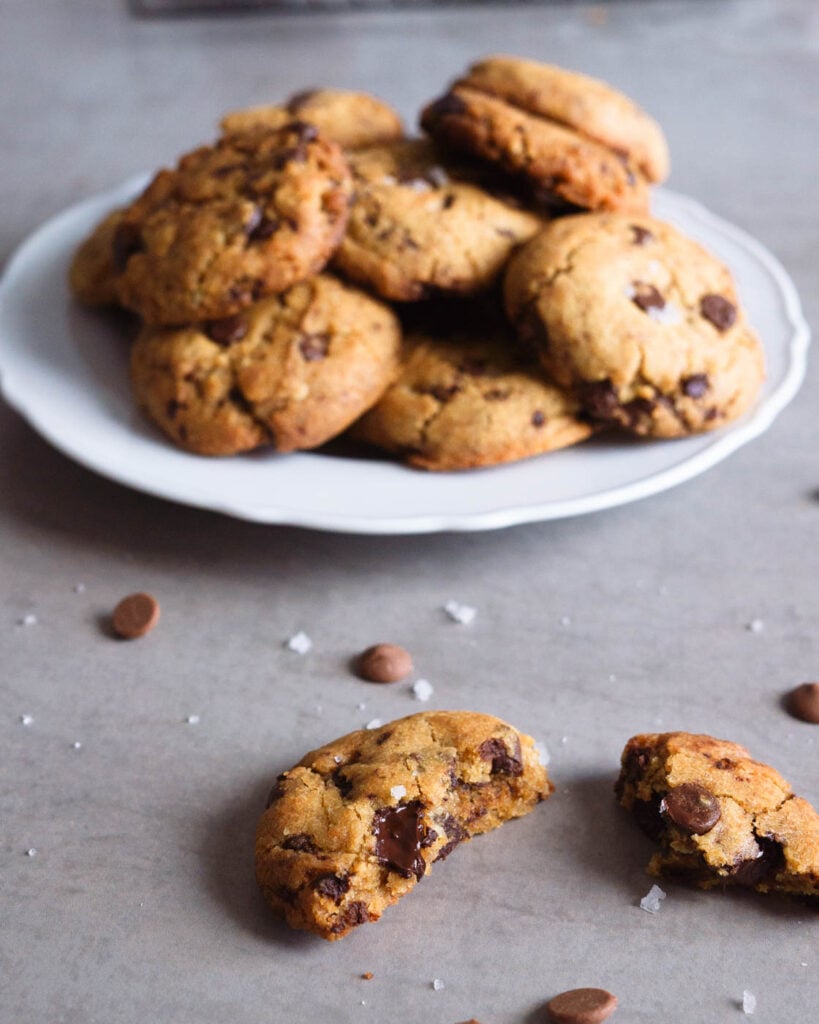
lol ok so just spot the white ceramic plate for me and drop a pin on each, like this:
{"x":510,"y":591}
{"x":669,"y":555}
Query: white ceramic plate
{"x":65,"y":370}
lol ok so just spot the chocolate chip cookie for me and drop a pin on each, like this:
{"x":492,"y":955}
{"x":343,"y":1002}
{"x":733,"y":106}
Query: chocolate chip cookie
{"x":574,"y":138}
{"x":639,"y":321}
{"x":292,"y":370}
{"x":418,"y":229}
{"x":247,"y":217}
{"x":720,"y":818}
{"x":352,"y":119}
{"x":356,"y":824}
{"x":468,"y":396}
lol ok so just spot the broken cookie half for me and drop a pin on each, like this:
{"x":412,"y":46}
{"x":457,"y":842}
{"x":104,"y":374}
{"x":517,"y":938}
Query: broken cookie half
{"x":357,"y":823}
{"x":720,"y":817}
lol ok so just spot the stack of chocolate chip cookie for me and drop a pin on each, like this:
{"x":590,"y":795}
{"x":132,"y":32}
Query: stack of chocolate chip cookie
{"x":492,"y":290}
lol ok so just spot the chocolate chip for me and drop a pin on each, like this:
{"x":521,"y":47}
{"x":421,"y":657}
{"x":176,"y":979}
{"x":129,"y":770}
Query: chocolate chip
{"x":135,"y":616}
{"x":300,"y":99}
{"x":384,"y":663}
{"x":353,"y":915}
{"x":314,"y":346}
{"x":721,"y":313}
{"x":342,"y":784}
{"x":692,"y":807}
{"x":647,"y":816}
{"x":696,"y":385}
{"x":724,"y":764}
{"x":455,"y":834}
{"x":638,"y":409}
{"x":300,"y":842}
{"x":127,"y":242}
{"x":503,"y":763}
{"x":474,"y":367}
{"x":769,"y":861}
{"x":803,"y":702}
{"x":277,"y":792}
{"x":332,"y":886}
{"x":599,"y":399}
{"x":447,"y":106}
{"x":227,"y":330}
{"x":581,"y":1006}
{"x":496,"y":395}
{"x":646,"y":296}
{"x":441,"y":392}
{"x":305,"y":131}
{"x":398,"y":834}
{"x":640,"y":235}
{"x":538,"y":418}
{"x":449,"y":201}
{"x":173,"y":407}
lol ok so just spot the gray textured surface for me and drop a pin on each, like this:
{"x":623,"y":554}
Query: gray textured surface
{"x":139,"y":903}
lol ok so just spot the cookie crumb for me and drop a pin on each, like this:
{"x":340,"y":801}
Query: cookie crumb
{"x":367,"y":976}
{"x":135,"y":615}
{"x":300,"y":643}
{"x":653,"y":899}
{"x":26,"y":719}
{"x":422,"y":689}
{"x":437,"y":984}
{"x":374,"y":723}
{"x":397,"y":792}
{"x":462,"y":613}
{"x":755,"y":626}
{"x":748,"y":1003}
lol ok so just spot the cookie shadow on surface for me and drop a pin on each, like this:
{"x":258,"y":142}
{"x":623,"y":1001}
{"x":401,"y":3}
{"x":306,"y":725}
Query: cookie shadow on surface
{"x":227,"y":867}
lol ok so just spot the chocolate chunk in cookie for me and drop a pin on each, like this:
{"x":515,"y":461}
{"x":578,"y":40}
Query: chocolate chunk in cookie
{"x":374,"y":810}
{"x":720,"y":818}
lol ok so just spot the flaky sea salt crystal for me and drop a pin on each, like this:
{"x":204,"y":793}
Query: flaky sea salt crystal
{"x":667,"y":314}
{"x":755,"y":626}
{"x":422,"y":689}
{"x":397,"y":792}
{"x":748,"y":1002}
{"x":374,"y":723}
{"x":79,"y":588}
{"x":300,"y":643}
{"x":462,"y":613}
{"x":192,"y":719}
{"x":77,"y":745}
{"x":542,"y":753}
{"x":26,"y":719}
{"x":27,"y":620}
{"x":565,"y":620}
{"x":652,"y":900}
{"x":31,"y":852}
{"x":437,"y":984}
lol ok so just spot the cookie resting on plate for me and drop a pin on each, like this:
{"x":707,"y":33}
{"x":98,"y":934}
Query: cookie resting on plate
{"x":721,"y":818}
{"x":636,"y":319}
{"x":356,"y":824}
{"x":292,"y":370}
{"x":577,"y":140}
{"x":247,"y":217}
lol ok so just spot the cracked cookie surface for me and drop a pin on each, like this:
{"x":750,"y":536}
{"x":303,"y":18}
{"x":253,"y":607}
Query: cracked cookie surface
{"x":352,"y":119}
{"x":292,"y":370}
{"x":358,"y":823}
{"x":574,"y":138}
{"x":247,"y":217}
{"x":639,"y":321}
{"x":720,"y":817}
{"x":418,"y":229}
{"x":469,"y":396}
